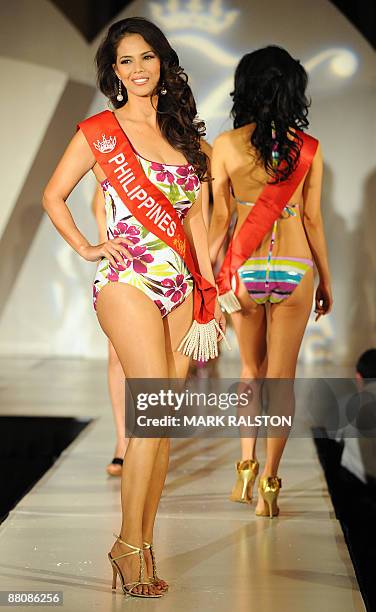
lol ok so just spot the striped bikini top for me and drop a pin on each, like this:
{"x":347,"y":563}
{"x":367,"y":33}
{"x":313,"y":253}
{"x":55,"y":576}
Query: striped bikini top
{"x":289,"y":208}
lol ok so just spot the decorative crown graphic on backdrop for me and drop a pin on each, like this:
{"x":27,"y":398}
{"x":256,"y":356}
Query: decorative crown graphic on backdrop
{"x":209,"y":16}
{"x":106,"y":145}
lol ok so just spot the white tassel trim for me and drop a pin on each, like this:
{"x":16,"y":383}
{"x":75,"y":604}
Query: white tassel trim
{"x":201,"y":342}
{"x":229,"y":302}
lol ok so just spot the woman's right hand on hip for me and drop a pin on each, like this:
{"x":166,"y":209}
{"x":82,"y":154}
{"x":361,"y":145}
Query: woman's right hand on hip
{"x":114,"y":250}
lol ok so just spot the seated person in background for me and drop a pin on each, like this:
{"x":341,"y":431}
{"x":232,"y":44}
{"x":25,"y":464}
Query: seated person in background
{"x":359,"y":438}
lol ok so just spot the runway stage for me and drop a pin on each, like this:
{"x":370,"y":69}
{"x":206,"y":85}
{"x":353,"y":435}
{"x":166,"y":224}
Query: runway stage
{"x":217,"y":555}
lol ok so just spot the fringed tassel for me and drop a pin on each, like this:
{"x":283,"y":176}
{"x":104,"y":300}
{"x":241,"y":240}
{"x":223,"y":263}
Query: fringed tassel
{"x":201,"y":342}
{"x":229,"y":302}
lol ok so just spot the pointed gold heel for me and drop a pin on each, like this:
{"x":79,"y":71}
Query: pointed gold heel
{"x":155,"y":580}
{"x":114,"y":577}
{"x":116,"y":571}
{"x":246,"y":472}
{"x":269,"y":488}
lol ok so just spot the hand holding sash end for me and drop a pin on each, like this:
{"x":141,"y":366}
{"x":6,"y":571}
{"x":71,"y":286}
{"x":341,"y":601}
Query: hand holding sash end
{"x":201,"y":341}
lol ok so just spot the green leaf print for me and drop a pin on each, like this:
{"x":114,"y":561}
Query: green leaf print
{"x":191,"y":195}
{"x":178,"y":264}
{"x":144,"y":231}
{"x":173,"y":266}
{"x":155,"y":245}
{"x":105,"y":266}
{"x":174,"y":195}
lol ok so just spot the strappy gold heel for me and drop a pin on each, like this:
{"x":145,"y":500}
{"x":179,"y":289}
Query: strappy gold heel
{"x":129,"y":586}
{"x":155,"y":580}
{"x":246,"y":475}
{"x":269,"y":487}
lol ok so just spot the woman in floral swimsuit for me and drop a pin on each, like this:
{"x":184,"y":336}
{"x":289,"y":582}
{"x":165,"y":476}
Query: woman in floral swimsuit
{"x":154,"y":268}
{"x":143,"y":290}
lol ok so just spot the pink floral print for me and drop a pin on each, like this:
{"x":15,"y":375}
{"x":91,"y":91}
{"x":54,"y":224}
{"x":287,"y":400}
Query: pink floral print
{"x":162,"y":175}
{"x":127,"y":231}
{"x":188,"y":179}
{"x":138,"y":262}
{"x":113,"y":275}
{"x":140,"y":259}
{"x":95,"y":294}
{"x":176,"y":288}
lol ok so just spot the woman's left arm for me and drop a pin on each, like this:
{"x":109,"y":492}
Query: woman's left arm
{"x":314,"y":230}
{"x":196,"y":232}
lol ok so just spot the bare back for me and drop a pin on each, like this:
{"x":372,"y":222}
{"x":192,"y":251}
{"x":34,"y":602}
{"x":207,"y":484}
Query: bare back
{"x":243,"y":173}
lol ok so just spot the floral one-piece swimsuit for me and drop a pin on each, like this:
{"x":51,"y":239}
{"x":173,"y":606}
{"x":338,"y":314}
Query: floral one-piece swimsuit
{"x":155,"y":268}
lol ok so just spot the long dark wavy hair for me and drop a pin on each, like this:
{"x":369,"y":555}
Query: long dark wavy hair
{"x":270,"y":87}
{"x":176,"y":111}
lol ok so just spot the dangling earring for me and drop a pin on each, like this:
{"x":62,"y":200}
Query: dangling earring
{"x":275,"y":152}
{"x":163,"y":90}
{"x":120,"y":96}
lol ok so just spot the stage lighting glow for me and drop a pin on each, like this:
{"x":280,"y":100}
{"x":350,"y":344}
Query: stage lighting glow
{"x":342,"y":62}
{"x":345,"y":65}
{"x":208,"y":16}
{"x":208,"y":48}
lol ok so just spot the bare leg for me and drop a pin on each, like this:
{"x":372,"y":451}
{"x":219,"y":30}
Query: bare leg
{"x":288,"y":321}
{"x":250,"y":328}
{"x":116,"y":388}
{"x":176,"y":324}
{"x":134,"y":325}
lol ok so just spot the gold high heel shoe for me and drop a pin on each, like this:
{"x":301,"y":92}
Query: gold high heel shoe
{"x":129,"y":586}
{"x":155,"y":580}
{"x":246,"y":475}
{"x":269,"y":487}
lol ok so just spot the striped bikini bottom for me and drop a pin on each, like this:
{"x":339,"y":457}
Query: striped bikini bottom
{"x":275,"y":280}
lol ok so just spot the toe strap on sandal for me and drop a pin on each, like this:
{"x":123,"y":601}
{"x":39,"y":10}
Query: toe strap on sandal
{"x":149,"y":546}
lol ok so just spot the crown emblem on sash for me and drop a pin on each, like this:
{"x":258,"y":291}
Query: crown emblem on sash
{"x":106,"y":145}
{"x":193,"y":14}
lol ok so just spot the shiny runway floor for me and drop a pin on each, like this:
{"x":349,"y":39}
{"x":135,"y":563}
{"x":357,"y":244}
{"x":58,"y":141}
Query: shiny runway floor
{"x":217,"y":555}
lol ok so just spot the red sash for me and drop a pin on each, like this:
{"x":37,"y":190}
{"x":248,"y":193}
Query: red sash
{"x":154,"y":211}
{"x":268,"y":207}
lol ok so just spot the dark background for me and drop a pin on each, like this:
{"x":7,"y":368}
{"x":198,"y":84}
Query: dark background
{"x":91,"y":16}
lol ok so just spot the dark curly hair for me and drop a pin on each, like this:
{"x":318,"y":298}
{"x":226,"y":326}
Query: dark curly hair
{"x":270,"y":86}
{"x":176,"y":111}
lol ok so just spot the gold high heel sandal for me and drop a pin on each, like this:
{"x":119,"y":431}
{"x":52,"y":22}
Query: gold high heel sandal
{"x":129,"y":586}
{"x":246,"y":475}
{"x":155,"y":580}
{"x":269,"y":487}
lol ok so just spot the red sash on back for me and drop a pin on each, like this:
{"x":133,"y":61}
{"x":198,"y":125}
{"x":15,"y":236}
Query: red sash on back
{"x":268,"y":207}
{"x":154,"y":211}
